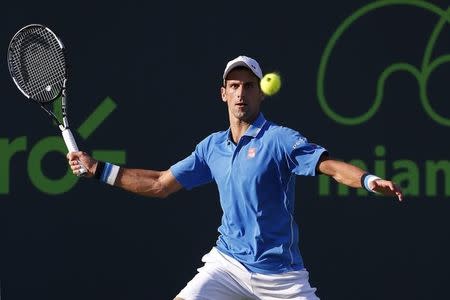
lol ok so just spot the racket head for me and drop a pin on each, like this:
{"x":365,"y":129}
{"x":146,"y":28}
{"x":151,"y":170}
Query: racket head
{"x":37,"y":63}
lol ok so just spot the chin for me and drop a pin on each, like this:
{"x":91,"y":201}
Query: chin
{"x":243,"y":117}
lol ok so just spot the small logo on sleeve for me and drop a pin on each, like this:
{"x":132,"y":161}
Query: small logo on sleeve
{"x":299,"y":142}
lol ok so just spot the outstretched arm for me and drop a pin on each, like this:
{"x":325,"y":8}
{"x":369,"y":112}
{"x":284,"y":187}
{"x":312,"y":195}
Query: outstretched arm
{"x":350,"y":175}
{"x":149,"y":183}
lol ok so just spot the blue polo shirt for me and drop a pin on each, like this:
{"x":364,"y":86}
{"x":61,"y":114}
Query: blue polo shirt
{"x":256,"y":182}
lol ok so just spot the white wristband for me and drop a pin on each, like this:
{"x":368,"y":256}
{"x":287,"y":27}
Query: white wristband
{"x":367,"y":180}
{"x":110,"y":173}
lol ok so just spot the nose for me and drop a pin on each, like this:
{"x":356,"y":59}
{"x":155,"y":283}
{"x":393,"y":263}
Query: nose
{"x":240,"y":91}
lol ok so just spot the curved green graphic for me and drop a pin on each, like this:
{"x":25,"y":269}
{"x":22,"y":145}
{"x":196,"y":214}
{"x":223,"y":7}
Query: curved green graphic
{"x":421,"y":74}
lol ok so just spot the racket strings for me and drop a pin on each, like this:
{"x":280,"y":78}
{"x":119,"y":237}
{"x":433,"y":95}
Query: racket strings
{"x":38,"y":63}
{"x":42,"y":59}
{"x":48,"y":79}
{"x":37,"y":73}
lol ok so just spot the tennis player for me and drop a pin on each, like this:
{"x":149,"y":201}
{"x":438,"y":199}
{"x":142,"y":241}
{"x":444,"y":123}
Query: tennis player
{"x":253,"y":163}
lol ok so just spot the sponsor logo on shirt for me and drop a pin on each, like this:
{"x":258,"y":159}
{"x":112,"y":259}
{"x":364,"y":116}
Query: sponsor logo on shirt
{"x":251,"y":152}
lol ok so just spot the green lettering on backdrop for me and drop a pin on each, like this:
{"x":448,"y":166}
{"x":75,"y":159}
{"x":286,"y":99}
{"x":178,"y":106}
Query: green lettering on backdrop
{"x":55,"y":144}
{"x":7,"y":150}
{"x":38,"y":178}
{"x":404,"y":172}
{"x":409,"y":178}
{"x":432,"y":169}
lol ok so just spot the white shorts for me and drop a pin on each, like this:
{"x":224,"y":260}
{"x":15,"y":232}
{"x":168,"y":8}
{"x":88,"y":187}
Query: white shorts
{"x":224,"y":278}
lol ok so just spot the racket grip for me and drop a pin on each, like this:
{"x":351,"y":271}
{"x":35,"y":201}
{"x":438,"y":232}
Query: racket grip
{"x":72,"y":147}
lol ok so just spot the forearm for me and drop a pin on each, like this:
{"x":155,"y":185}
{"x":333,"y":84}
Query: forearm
{"x":342,"y":172}
{"x":143,"y":182}
{"x":159,"y":184}
{"x":353,"y":176}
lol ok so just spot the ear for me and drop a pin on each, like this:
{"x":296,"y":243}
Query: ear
{"x":222,"y":92}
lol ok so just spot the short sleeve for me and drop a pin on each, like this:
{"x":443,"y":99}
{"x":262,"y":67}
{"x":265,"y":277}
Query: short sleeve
{"x":302,"y":156}
{"x":193,"y":171}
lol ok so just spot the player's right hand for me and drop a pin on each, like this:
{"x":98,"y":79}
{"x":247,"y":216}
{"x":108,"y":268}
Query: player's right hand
{"x":75,"y":158}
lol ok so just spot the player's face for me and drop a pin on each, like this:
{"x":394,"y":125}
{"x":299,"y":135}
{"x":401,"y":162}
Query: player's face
{"x":242,"y":95}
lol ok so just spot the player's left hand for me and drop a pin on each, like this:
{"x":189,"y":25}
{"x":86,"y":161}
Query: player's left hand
{"x":387,"y":188}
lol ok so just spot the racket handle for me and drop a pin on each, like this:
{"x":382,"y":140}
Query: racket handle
{"x":72,"y":147}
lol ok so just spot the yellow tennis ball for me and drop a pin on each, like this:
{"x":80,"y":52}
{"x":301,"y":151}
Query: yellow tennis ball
{"x":270,"y":84}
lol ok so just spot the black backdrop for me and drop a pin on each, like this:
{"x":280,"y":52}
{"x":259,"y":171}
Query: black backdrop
{"x":161,"y":63}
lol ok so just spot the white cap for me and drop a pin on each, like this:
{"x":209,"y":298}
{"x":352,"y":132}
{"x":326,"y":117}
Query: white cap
{"x":243,"y":61}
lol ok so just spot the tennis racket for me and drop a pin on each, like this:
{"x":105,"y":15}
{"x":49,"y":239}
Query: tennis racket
{"x":37,"y":64}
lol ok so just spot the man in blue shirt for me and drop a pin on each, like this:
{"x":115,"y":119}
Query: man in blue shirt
{"x":254,"y":164}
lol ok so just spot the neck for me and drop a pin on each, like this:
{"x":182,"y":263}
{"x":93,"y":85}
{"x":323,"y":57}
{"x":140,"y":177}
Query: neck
{"x":239,"y":127}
